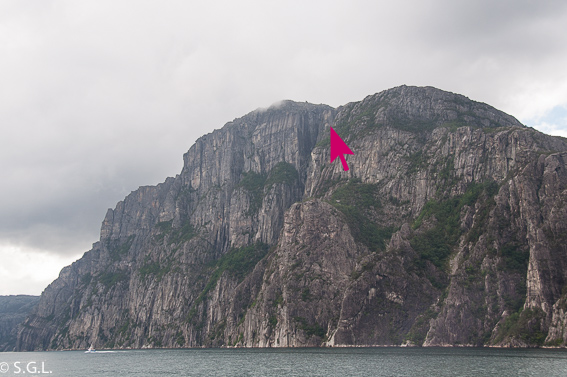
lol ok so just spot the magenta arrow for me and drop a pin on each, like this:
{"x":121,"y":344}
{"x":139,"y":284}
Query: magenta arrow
{"x":339,"y":148}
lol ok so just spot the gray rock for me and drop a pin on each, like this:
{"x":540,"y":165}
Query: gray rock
{"x":13,"y":311}
{"x":448,"y":229}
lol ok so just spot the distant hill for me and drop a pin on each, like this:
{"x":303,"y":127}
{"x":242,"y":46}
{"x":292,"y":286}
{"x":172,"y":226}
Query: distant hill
{"x":13,"y":310}
{"x":450,"y":228}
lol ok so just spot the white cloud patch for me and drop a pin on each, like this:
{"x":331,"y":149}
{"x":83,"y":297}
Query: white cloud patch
{"x":29,"y":271}
{"x":554,"y":122}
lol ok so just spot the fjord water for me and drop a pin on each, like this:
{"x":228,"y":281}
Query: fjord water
{"x":293,"y":362}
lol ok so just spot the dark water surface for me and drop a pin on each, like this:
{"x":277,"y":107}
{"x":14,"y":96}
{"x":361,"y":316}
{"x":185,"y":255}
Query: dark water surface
{"x":290,"y":362}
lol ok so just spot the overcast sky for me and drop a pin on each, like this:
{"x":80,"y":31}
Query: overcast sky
{"x":99,"y":97}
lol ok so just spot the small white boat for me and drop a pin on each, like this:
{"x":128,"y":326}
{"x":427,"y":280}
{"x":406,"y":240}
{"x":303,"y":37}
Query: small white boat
{"x":90,"y":350}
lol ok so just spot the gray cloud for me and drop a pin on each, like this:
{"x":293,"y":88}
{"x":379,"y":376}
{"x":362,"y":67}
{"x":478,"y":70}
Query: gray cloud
{"x":100,"y":97}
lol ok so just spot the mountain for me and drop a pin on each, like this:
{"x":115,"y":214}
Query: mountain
{"x":13,"y":311}
{"x":450,"y":228}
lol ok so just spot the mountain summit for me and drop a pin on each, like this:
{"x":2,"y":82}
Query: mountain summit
{"x":449,"y":228}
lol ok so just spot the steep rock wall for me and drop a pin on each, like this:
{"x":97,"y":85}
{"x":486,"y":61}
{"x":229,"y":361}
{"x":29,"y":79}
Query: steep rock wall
{"x":448,"y":229}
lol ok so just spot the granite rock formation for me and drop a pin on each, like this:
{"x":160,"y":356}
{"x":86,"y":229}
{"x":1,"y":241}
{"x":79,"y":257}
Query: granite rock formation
{"x":13,"y":311}
{"x":448,"y":229}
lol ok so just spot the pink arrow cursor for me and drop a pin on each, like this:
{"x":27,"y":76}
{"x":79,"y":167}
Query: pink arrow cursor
{"x":339,"y":148}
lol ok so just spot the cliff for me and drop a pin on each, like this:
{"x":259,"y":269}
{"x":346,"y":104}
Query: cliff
{"x":448,"y":229}
{"x":13,"y":311}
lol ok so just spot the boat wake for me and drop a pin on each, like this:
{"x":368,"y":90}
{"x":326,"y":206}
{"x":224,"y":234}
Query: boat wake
{"x":93,"y":350}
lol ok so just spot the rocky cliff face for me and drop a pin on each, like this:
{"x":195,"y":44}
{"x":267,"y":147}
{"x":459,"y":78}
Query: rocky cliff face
{"x":449,"y":228}
{"x":13,"y":310}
